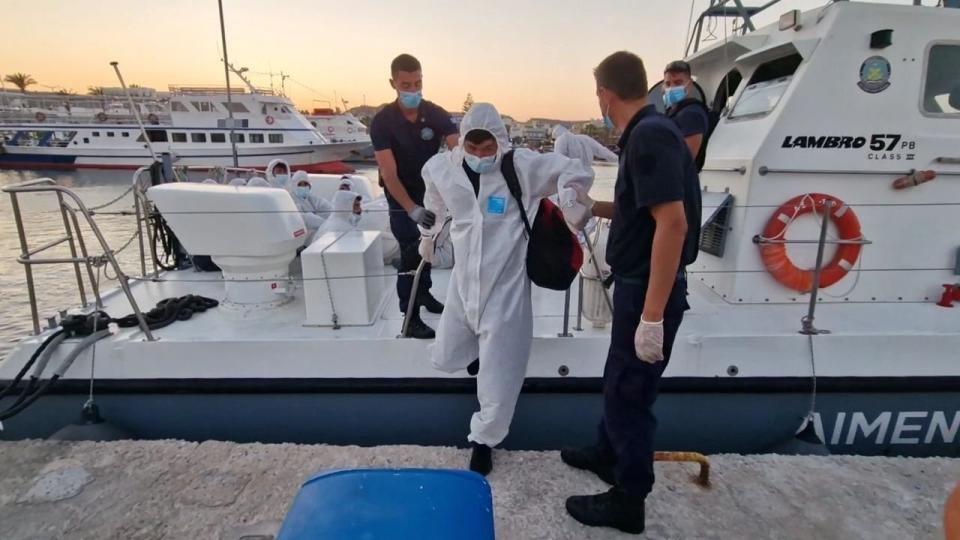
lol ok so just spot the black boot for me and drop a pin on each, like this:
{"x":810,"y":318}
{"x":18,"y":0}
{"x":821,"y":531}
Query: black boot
{"x":474,"y":368}
{"x":590,"y":458}
{"x":611,"y":509}
{"x":419,"y":329}
{"x":481,"y":459}
{"x":432,"y":304}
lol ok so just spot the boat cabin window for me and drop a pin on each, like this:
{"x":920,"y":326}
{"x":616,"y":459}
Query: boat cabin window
{"x":256,"y":137}
{"x":126,"y":133}
{"x":178,"y":106}
{"x":235,"y":107}
{"x":178,"y":136}
{"x":96,"y":133}
{"x":243,"y":123}
{"x":204,"y":106}
{"x":727,"y":89}
{"x":198,"y":137}
{"x":284,"y":110}
{"x":110,"y":134}
{"x":86,"y":140}
{"x":941,"y":89}
{"x":218,"y":137}
{"x":276,"y":138}
{"x":238,"y":137}
{"x":767,"y":85}
{"x":157,"y":135}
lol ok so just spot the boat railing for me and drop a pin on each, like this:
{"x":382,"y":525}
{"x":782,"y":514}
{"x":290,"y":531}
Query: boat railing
{"x":44,"y":119}
{"x":73,"y":237}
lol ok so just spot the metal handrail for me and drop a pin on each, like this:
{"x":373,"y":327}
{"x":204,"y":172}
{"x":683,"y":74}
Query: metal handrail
{"x":47,"y":185}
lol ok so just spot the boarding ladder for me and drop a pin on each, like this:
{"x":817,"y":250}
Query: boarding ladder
{"x":73,"y":237}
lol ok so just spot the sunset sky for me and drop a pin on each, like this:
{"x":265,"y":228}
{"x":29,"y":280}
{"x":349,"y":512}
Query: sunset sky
{"x":528,"y":57}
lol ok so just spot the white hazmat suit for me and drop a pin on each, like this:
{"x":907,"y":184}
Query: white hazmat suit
{"x":313,"y":208}
{"x":342,"y":218}
{"x":580,"y":147}
{"x":489,"y":313}
{"x":258,"y":181}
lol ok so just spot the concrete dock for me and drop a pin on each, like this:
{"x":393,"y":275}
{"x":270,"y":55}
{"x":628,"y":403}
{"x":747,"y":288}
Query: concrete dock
{"x":216,"y":490}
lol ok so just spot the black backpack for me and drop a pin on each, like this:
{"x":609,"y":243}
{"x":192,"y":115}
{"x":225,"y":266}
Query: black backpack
{"x":553,"y":253}
{"x":713,"y":118}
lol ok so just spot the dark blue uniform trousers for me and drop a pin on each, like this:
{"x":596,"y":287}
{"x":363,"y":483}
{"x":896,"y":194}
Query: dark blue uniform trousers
{"x":630,"y":385}
{"x":408,"y":236}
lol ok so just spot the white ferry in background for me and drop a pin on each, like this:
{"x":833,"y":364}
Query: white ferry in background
{"x":343,"y":127}
{"x":54,"y":131}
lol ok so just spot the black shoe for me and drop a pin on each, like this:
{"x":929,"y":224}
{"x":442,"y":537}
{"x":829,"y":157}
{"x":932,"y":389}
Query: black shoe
{"x":481,"y":459}
{"x":432,"y":304}
{"x":611,"y":509}
{"x":474,"y":368}
{"x":419,"y":329}
{"x":590,"y":458}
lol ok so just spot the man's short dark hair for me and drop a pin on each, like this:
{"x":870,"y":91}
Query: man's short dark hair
{"x":623,"y":74}
{"x":404,"y":62}
{"x":677,"y":66}
{"x":478,"y":136}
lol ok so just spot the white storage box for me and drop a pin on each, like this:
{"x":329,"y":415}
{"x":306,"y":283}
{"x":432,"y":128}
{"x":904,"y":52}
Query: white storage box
{"x":350,"y":265}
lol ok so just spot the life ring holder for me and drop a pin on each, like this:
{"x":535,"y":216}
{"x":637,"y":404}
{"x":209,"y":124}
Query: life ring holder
{"x":269,"y":119}
{"x":774,"y":253}
{"x":40,"y":116}
{"x":101,"y":117}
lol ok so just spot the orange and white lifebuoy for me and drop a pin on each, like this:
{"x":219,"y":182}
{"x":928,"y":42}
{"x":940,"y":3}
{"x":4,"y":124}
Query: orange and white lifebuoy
{"x":330,"y":129}
{"x":269,"y":120}
{"x":775,"y":257}
{"x":349,"y":130}
{"x":40,"y":116}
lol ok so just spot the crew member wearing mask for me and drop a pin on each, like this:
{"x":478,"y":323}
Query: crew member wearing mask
{"x":582,"y":148}
{"x":654,"y":231}
{"x":313,"y":208}
{"x":405,"y":134}
{"x":689,"y":113}
{"x":488,"y":313}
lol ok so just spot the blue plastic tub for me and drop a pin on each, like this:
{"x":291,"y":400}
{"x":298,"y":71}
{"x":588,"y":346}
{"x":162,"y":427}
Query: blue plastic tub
{"x":387,"y":504}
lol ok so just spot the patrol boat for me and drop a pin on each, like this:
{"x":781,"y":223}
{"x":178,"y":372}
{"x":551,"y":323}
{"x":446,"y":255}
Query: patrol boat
{"x":821,"y":298}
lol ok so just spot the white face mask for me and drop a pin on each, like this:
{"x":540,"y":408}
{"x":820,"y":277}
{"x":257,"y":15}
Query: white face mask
{"x":480,"y":165}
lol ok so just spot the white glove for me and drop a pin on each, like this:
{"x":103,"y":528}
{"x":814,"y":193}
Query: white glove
{"x":426,"y":248}
{"x":648,"y":341}
{"x":576,"y":207}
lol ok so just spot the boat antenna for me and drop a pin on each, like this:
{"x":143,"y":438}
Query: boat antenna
{"x":226,"y":74}
{"x":134,"y":109}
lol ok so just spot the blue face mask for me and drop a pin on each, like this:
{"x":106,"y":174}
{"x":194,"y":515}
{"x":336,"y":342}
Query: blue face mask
{"x":480,"y":165}
{"x":303,"y":192}
{"x":282,"y":179}
{"x":411,"y":100}
{"x":674,"y":95}
{"x":607,"y":121}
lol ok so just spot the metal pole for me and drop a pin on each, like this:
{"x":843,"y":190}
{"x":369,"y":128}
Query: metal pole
{"x":596,"y":267}
{"x":26,"y":268}
{"x":83,"y":251}
{"x":807,"y":322}
{"x":579,"y":326}
{"x":566,"y":315}
{"x":136,"y":112}
{"x":226,"y":74}
{"x":73,"y":248}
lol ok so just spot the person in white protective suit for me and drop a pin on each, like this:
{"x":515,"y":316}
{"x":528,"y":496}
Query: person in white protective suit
{"x":580,"y":147}
{"x":346,"y":213}
{"x":237,"y":181}
{"x":278,"y":173}
{"x":488,"y":315}
{"x":314,"y":209}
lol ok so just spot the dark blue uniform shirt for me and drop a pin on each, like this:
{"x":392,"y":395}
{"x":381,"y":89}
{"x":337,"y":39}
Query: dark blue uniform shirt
{"x":655,"y":168}
{"x":412,"y":143}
